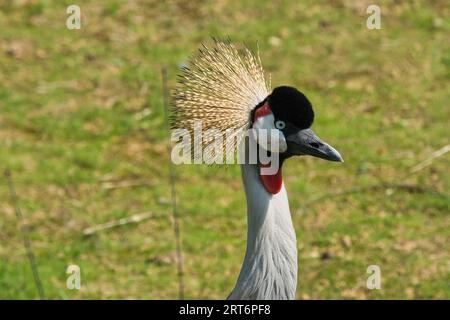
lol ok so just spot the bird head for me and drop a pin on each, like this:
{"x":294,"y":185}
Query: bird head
{"x":288,"y":110}
{"x":226,"y":90}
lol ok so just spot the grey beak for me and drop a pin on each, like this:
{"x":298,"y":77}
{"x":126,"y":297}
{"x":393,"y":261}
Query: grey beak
{"x":306,"y":142}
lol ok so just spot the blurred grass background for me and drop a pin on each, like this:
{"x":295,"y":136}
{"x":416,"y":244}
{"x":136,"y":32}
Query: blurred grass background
{"x":81,"y":117}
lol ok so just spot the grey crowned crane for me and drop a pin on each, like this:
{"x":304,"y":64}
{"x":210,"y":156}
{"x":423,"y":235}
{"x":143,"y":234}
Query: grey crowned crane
{"x":226,"y":89}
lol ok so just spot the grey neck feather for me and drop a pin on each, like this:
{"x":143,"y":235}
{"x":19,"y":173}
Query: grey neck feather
{"x":269,"y":270}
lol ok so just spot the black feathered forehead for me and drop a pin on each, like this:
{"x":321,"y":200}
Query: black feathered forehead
{"x":290,"y":105}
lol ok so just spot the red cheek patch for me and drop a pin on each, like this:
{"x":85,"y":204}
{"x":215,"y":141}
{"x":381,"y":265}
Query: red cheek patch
{"x":262,"y":111}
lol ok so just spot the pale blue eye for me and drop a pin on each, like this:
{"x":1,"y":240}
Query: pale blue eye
{"x":280,"y":125}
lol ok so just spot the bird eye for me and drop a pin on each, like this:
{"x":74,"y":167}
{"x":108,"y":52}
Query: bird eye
{"x":280,"y":124}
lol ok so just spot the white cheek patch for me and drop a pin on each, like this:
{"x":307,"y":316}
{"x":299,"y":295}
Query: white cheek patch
{"x":268,"y":136}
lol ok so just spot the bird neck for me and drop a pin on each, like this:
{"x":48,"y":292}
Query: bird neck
{"x":269,"y":270}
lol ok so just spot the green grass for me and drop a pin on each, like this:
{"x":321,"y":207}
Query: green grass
{"x":79,"y":108}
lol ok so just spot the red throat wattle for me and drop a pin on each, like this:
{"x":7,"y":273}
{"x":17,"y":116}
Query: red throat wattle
{"x":272,"y":183}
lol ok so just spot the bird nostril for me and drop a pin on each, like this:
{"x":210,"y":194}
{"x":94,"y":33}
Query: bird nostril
{"x":315,"y":145}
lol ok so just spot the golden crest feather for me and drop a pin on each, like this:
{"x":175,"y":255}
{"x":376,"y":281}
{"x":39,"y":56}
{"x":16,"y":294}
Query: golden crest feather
{"x":220,"y":88}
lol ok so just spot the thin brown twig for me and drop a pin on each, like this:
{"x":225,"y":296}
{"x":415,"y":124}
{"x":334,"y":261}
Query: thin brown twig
{"x":110,"y":185}
{"x":24,"y":232}
{"x":117,"y":223}
{"x":427,"y":162}
{"x":175,"y":217}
